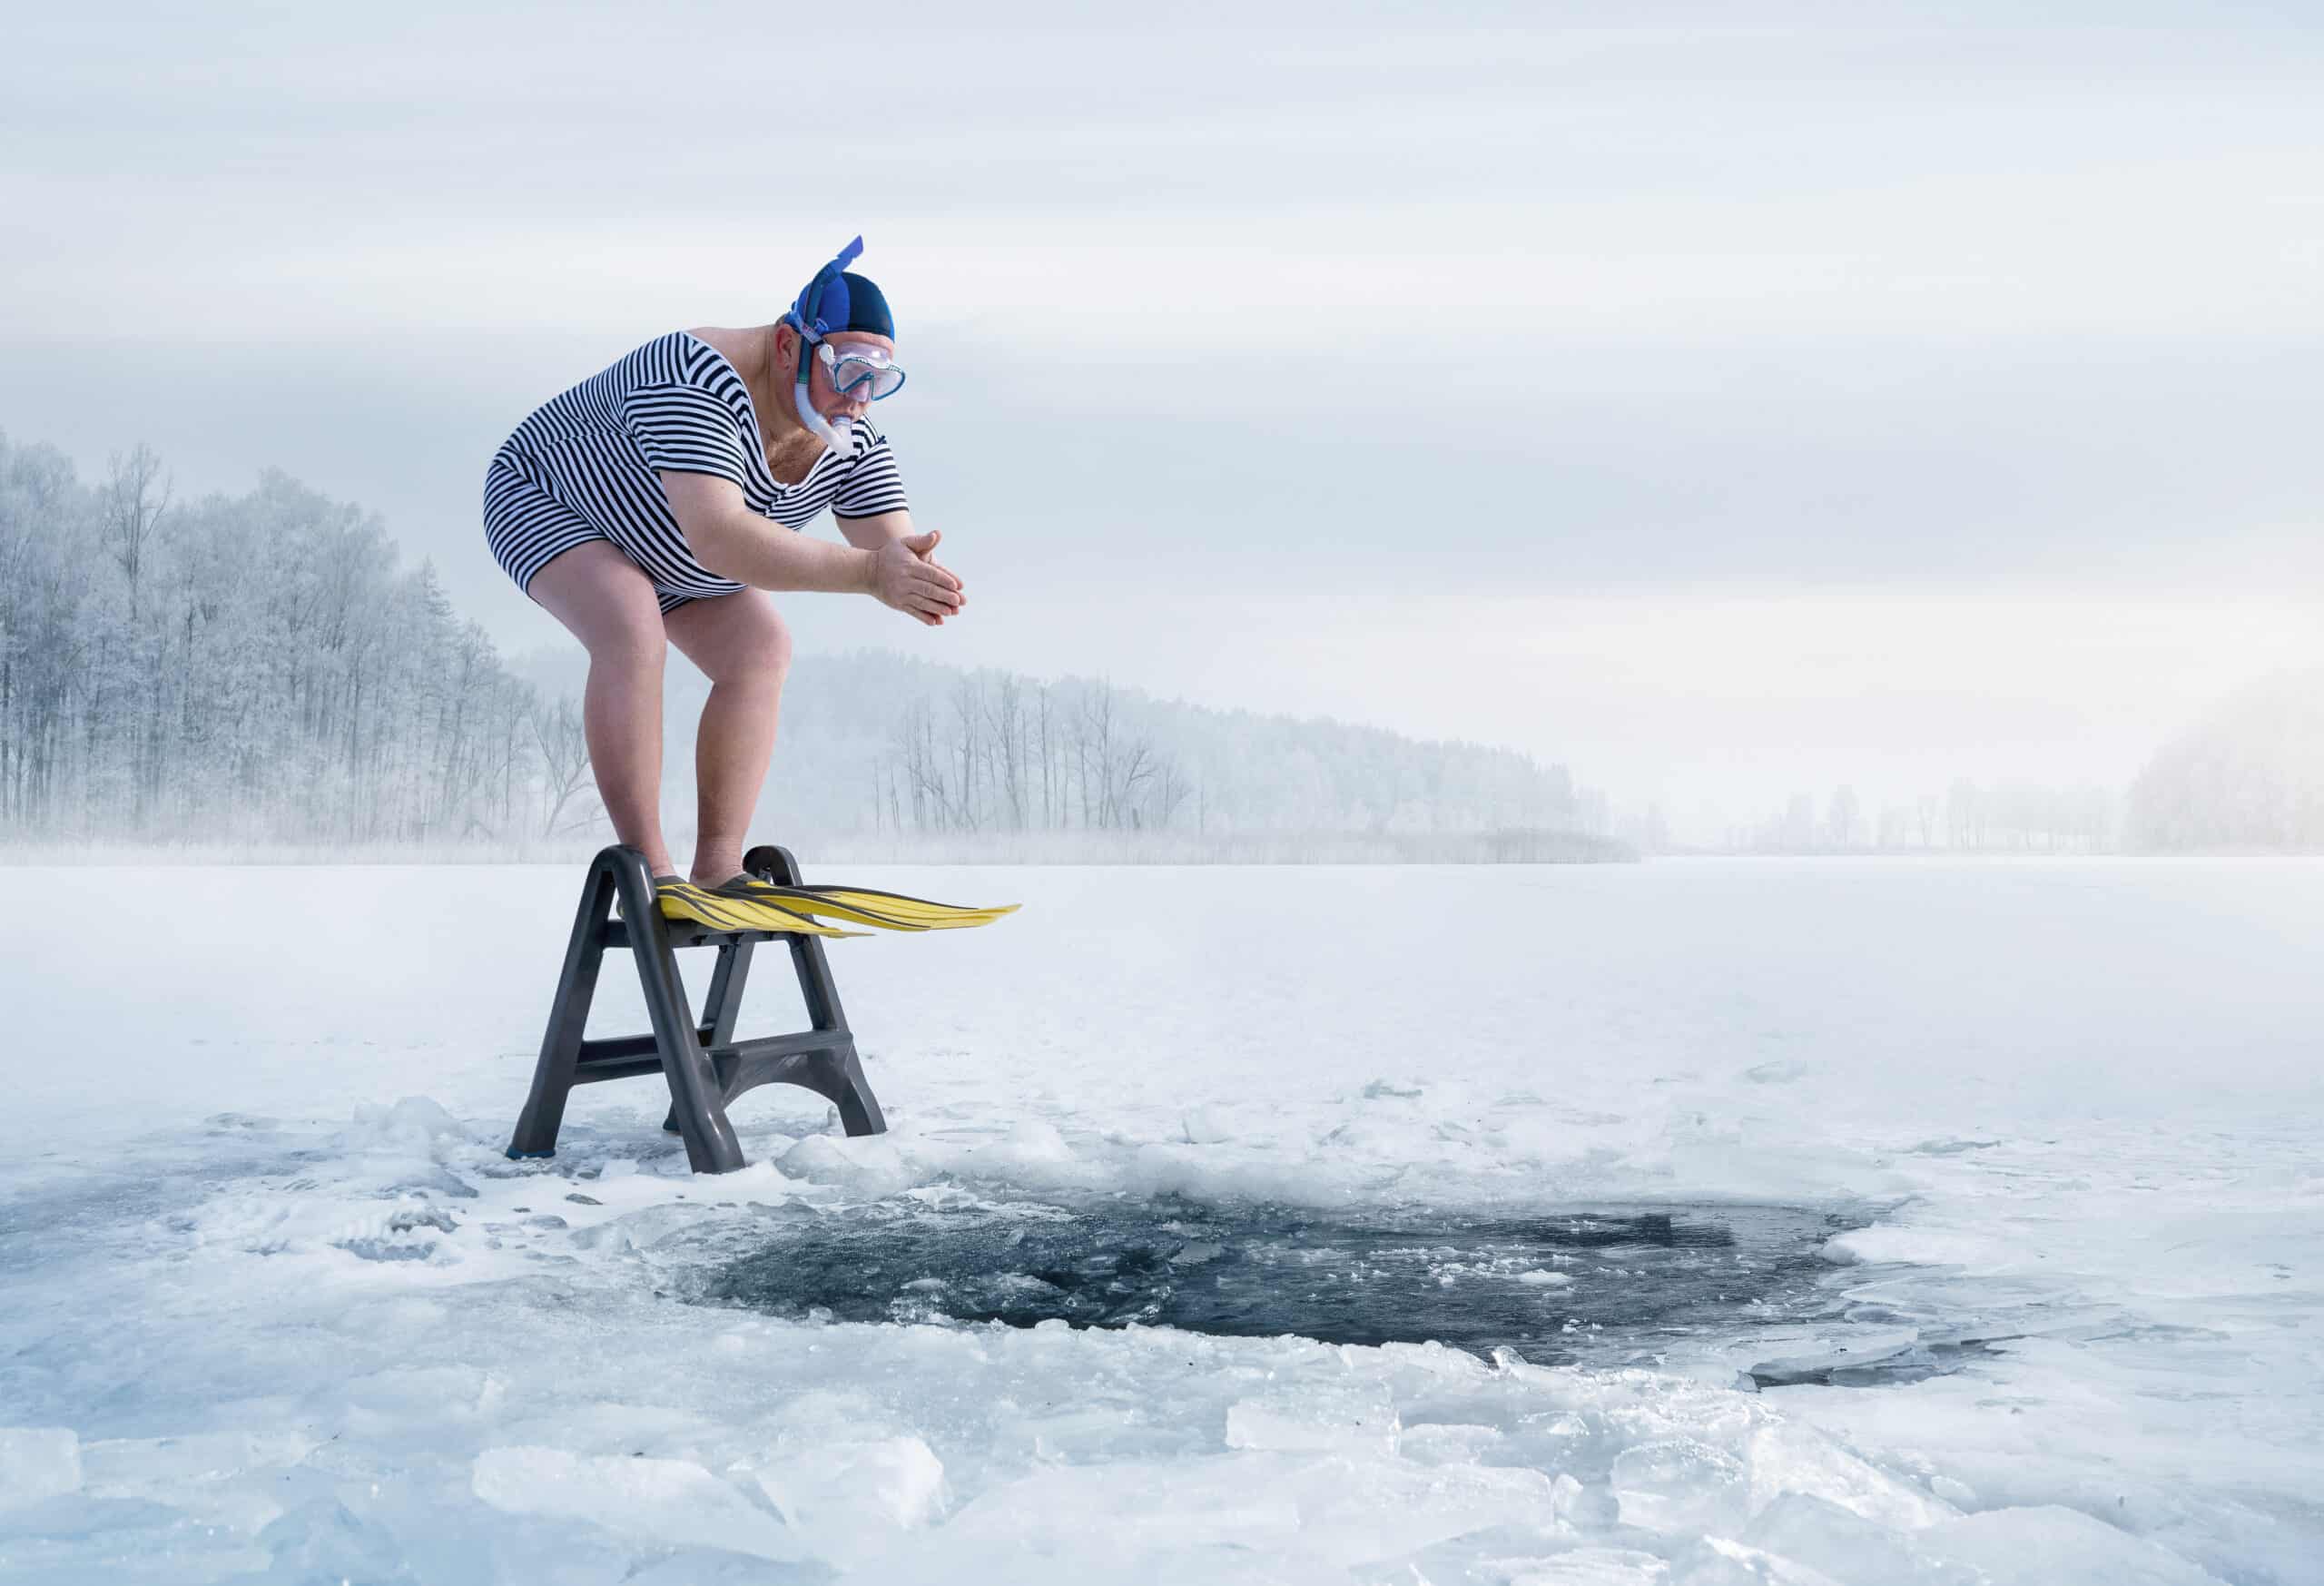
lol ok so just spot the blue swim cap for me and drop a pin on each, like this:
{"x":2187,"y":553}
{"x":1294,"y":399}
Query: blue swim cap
{"x":839,"y":300}
{"x":865,"y":305}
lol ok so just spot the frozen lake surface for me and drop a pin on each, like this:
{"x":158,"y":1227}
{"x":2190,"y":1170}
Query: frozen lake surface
{"x":1697,"y":1222}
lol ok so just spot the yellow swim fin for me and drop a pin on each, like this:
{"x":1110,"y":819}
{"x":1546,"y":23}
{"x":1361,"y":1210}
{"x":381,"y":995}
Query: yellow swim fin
{"x":889,"y":910}
{"x":921,"y":911}
{"x":679,"y":898}
{"x":802,"y":901}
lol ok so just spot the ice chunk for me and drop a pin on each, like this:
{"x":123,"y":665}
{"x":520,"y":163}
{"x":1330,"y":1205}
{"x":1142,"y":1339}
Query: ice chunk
{"x":1950,"y":1146}
{"x":1207,"y":1125}
{"x":1031,"y":1140}
{"x":1309,"y":1514}
{"x":671,"y":1502}
{"x":415,"y":1125}
{"x":870,"y":1165}
{"x":222,"y":1478}
{"x":1796,"y":1459}
{"x":1846,"y":1546}
{"x":701,"y":1566}
{"x":1135,"y":1505}
{"x":1886,"y":1243}
{"x":321,"y":1541}
{"x":1594,"y":1566}
{"x":36,"y":1464}
{"x":902,"y":1478}
{"x":1718,"y":1561}
{"x":1315,"y":1417}
{"x":404,"y":1222}
{"x":432,"y":1179}
{"x":1436,"y":1443}
{"x":833,"y":1495}
{"x":1680,"y":1484}
{"x":1584,"y":1508}
{"x":2042,"y":1544}
{"x":643,"y":1228}
{"x":390,"y":1238}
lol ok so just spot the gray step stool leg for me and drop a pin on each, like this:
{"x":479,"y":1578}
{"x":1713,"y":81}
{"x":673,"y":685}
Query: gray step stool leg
{"x":704,"y":1065}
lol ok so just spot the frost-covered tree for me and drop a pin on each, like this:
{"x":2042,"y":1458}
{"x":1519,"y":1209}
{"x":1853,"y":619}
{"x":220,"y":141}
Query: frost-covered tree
{"x":240,"y":669}
{"x":2249,"y":776}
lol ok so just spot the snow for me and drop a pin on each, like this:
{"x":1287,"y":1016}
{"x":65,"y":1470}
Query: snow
{"x":278,"y":1309}
{"x":37,"y":1462}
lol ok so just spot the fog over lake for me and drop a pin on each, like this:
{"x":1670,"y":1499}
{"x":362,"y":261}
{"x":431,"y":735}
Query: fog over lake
{"x":1728,"y":408}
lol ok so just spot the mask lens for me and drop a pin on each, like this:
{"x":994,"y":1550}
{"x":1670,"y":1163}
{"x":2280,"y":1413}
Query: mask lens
{"x":856,"y":375}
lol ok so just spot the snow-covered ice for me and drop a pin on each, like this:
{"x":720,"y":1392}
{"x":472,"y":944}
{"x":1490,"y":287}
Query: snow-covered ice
{"x":276,"y":1308}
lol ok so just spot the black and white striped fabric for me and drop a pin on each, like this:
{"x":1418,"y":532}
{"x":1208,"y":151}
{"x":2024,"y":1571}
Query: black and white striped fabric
{"x":581,"y":467}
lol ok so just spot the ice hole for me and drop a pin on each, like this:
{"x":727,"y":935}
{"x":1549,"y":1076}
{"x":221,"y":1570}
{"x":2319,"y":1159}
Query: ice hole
{"x":1601,"y":1285}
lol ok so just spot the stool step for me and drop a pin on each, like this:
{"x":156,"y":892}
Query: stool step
{"x":622,"y":1055}
{"x":691,"y":933}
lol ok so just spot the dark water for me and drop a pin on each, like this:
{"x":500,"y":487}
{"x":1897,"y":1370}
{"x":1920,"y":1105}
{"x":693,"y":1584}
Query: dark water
{"x":1596,"y":1286}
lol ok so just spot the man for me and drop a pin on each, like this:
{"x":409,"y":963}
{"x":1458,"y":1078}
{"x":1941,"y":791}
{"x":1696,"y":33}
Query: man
{"x":649,"y":505}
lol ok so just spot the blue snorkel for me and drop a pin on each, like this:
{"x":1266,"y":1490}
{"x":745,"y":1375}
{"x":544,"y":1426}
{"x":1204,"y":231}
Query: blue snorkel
{"x":828,"y":291}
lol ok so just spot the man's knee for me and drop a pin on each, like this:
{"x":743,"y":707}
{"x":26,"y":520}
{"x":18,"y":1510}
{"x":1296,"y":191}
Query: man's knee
{"x":775,"y":647}
{"x":630,"y":640}
{"x":753,"y":649}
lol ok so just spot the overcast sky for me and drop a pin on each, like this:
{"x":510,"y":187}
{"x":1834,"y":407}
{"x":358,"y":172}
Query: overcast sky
{"x":1755,"y":399}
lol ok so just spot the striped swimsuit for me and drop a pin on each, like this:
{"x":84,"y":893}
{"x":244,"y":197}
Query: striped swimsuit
{"x":581,"y":467}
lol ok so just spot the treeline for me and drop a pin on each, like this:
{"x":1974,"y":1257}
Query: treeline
{"x":997,"y":752}
{"x":1970,"y":817}
{"x":1001,"y":752}
{"x":875,"y":742}
{"x":257,"y":669}
{"x":247,"y":669}
{"x":2248,"y":778}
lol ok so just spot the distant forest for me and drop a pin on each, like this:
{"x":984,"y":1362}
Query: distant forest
{"x":259,"y":669}
{"x":2008,"y":817}
{"x":2248,"y":778}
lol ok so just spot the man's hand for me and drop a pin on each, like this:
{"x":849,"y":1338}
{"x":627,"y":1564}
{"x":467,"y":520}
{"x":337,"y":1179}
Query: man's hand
{"x":903,"y":574}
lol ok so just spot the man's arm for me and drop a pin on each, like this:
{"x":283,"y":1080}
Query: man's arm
{"x":871,"y":533}
{"x":732,"y":541}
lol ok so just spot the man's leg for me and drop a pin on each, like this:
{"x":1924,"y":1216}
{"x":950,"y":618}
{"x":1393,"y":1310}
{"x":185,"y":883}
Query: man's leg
{"x":609,"y":604}
{"x":744,"y":648}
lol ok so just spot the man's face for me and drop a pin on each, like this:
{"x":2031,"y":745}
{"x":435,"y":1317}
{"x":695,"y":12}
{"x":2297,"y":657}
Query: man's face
{"x":827,"y":401}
